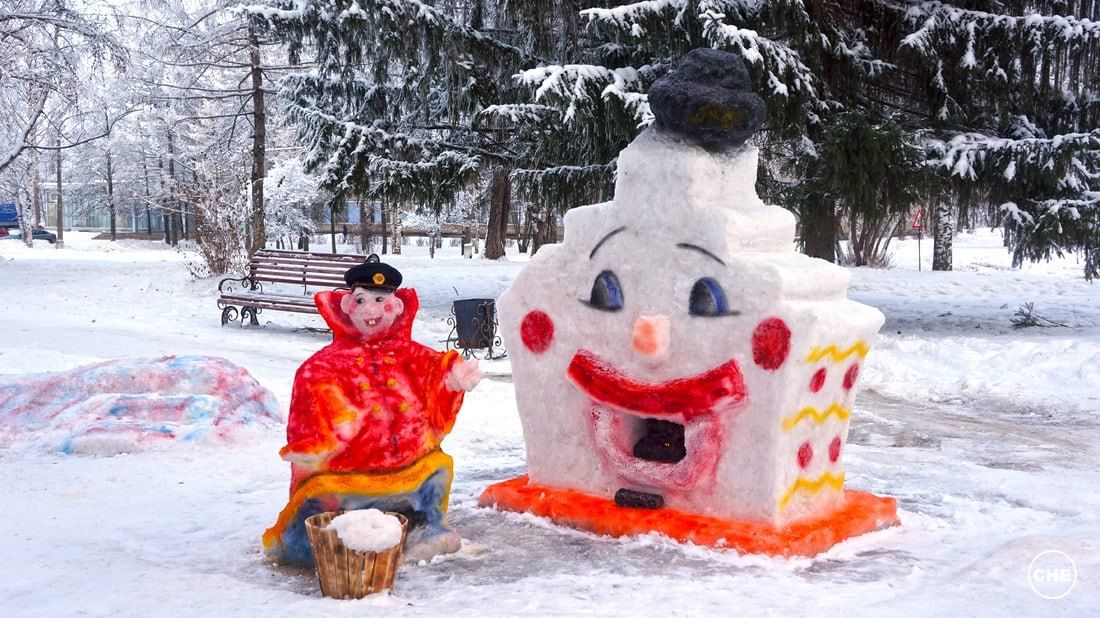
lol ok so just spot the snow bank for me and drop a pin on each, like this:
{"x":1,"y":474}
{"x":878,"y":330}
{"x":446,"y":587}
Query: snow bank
{"x":1050,"y":377}
{"x":122,"y":405}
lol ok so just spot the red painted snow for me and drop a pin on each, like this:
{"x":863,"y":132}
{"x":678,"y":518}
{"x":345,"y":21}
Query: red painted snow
{"x":689,"y":396}
{"x":850,"y":376}
{"x":805,"y":454}
{"x":537,"y":331}
{"x":818,"y":380}
{"x":771,"y":343}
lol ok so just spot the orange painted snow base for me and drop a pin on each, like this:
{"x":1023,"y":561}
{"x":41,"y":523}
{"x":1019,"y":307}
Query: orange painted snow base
{"x":860,"y":513}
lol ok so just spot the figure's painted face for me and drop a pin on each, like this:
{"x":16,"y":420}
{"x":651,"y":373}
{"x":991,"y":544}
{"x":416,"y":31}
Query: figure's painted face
{"x":372,"y":312}
{"x":656,"y":420}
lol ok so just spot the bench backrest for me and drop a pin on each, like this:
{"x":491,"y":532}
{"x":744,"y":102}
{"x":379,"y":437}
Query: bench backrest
{"x":305,"y":268}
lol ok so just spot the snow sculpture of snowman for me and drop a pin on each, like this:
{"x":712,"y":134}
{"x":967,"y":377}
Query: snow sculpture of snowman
{"x":679,"y":367}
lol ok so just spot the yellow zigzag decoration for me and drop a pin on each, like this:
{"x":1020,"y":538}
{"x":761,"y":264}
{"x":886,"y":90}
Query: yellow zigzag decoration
{"x":836,"y":481}
{"x":840,"y":412}
{"x":817,"y":354}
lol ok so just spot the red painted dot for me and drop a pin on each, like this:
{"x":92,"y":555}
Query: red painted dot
{"x":834,"y":449}
{"x":818,"y":380}
{"x":850,"y":376}
{"x":771,"y":342}
{"x":537,"y":331}
{"x":805,"y":454}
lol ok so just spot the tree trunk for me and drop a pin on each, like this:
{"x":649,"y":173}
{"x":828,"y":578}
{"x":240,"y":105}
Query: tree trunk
{"x":259,"y":137}
{"x":854,"y":246}
{"x":165,"y":219}
{"x":364,"y":228}
{"x":174,"y":236}
{"x":111,"y":197}
{"x":521,"y":231}
{"x":500,"y":202}
{"x":60,"y":204}
{"x":332,"y":226}
{"x":148,"y":211}
{"x":36,"y":187}
{"x":943,"y":233}
{"x":545,"y":228}
{"x":551,"y":227}
{"x":385,"y":229}
{"x":303,"y":235}
{"x":395,"y":219}
{"x":819,"y":231}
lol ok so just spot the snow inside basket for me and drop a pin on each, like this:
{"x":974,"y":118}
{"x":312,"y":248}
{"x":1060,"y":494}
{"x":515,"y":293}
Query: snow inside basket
{"x":345,"y":573}
{"x":125,"y":405}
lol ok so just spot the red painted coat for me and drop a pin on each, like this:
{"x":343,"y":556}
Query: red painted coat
{"x":369,"y":406}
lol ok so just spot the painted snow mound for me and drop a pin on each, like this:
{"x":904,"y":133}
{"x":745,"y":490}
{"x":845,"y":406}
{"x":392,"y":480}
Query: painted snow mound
{"x":126,"y":405}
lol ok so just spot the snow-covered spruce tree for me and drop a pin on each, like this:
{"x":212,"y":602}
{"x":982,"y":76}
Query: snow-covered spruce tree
{"x":1014,"y":91}
{"x":974,"y":89}
{"x":873,"y":174}
{"x":807,"y":61}
{"x":387,"y":92}
{"x":586,"y":109}
{"x":406,"y":102}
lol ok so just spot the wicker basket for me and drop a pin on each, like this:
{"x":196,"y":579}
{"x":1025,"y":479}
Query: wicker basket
{"x":345,"y":573}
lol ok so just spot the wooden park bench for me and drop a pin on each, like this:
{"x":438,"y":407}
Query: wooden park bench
{"x":246,"y":297}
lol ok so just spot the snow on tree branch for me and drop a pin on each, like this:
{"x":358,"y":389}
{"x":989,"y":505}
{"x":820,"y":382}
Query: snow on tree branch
{"x":935,"y":16}
{"x":580,"y":84}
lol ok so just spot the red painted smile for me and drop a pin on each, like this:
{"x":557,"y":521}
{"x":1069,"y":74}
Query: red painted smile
{"x":622,"y":409}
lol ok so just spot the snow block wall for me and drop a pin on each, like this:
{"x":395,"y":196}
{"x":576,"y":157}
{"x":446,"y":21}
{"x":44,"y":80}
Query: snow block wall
{"x":123,"y":405}
{"x":676,"y":344}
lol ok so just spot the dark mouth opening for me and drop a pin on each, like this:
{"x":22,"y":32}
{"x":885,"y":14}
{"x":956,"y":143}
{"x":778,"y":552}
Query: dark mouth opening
{"x":661,"y":441}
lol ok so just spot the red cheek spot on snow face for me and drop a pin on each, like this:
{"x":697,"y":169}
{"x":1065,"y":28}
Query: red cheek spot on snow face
{"x":818,"y":380}
{"x":387,"y":307}
{"x":834,"y":449}
{"x":850,"y":376}
{"x":771,"y":342}
{"x":805,"y":454}
{"x":537,"y":331}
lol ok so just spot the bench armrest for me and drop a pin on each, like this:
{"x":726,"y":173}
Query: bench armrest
{"x":242,"y":284}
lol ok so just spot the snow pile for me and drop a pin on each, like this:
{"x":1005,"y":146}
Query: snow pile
{"x":367,"y":530}
{"x":121,"y":405}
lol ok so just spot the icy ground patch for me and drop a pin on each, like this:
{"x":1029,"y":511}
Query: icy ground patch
{"x":988,"y":470}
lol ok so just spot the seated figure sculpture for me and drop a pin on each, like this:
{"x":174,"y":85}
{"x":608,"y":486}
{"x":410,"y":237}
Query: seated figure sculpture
{"x":367,"y":415}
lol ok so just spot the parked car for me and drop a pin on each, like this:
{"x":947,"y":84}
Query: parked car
{"x":38,"y":233}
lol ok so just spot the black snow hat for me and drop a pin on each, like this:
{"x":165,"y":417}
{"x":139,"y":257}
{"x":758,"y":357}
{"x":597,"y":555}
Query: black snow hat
{"x":373,"y":274}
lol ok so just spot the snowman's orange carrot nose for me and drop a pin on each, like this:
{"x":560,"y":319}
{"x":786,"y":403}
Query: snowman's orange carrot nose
{"x":651,"y":335}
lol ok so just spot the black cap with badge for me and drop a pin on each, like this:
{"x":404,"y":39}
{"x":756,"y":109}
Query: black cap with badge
{"x":373,"y":274}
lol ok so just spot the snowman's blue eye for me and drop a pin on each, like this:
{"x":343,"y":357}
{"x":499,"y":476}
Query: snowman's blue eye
{"x":607,"y":292}
{"x":708,"y":299}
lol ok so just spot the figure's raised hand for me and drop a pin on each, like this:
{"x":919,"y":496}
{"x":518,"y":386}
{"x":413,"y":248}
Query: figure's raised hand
{"x":464,"y":376}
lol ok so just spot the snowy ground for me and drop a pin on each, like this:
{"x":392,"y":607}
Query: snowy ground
{"x":986,"y":435}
